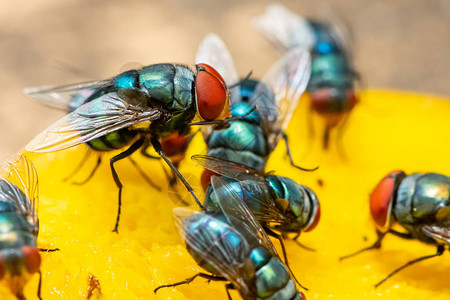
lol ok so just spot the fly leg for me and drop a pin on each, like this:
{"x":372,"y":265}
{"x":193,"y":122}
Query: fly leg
{"x":440,"y":250}
{"x":99,"y":160}
{"x":283,"y":249}
{"x":142,"y":173}
{"x":158,"y":149}
{"x":171,"y":178}
{"x":288,"y":152}
{"x":112,"y":161}
{"x":48,"y":250}
{"x":295,"y":239}
{"x":376,"y":245}
{"x":39,"y":285}
{"x":326,"y":137}
{"x":78,"y":168}
{"x":406,"y":236}
{"x":228,"y":287}
{"x":190,"y":279}
{"x":311,"y":132}
{"x":340,"y":133}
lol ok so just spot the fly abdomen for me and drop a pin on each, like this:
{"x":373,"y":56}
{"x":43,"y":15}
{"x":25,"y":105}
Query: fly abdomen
{"x":15,"y":231}
{"x":113,"y":140}
{"x":272,"y":279}
{"x":243,"y":142}
{"x":208,"y":230}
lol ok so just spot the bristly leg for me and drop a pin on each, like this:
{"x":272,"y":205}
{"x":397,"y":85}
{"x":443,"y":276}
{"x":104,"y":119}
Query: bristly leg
{"x":440,"y":250}
{"x":295,"y":239}
{"x":138,"y":144}
{"x":48,"y":250}
{"x":228,"y":287}
{"x":190,"y":279}
{"x":78,"y":168}
{"x":97,"y":164}
{"x":39,"y":285}
{"x":376,"y":245}
{"x":340,"y":134}
{"x":288,"y":152}
{"x":142,"y":173}
{"x":326,"y":138}
{"x":157,"y":146}
{"x":283,"y":249}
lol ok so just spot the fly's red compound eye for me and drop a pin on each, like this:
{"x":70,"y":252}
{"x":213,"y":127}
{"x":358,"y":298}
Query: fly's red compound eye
{"x":303,"y":297}
{"x":211,"y":92}
{"x":315,"y":220}
{"x":381,"y":199}
{"x":32,"y":259}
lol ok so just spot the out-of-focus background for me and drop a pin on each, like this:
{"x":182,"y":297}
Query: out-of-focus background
{"x":399,"y":45}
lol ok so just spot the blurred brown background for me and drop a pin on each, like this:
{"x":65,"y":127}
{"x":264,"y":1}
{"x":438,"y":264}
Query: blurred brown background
{"x":399,"y":45}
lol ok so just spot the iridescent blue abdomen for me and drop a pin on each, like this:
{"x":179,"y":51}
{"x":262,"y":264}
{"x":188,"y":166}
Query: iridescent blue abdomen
{"x":265,"y":275}
{"x":243,"y":142}
{"x":15,"y":231}
{"x":203,"y":227}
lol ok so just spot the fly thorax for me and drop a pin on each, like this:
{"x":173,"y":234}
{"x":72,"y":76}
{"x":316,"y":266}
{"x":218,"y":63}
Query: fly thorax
{"x":420,"y":196}
{"x":242,"y":109}
{"x":169,"y":84}
{"x":287,"y":190}
{"x":247,"y":88}
{"x":324,"y":40}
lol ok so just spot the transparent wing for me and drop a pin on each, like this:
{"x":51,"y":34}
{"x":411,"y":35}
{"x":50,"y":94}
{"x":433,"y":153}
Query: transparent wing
{"x":440,"y":231}
{"x":278,"y":93}
{"x":226,"y":168}
{"x":66,"y":97}
{"x":214,"y":249}
{"x":213,"y":51}
{"x":94,"y":119}
{"x":20,"y":187}
{"x":240,"y":216}
{"x":440,"y":234}
{"x":339,"y":29}
{"x":284,"y":29}
{"x":257,"y":194}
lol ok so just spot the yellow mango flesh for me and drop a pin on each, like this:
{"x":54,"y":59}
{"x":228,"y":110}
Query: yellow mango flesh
{"x":386,"y":131}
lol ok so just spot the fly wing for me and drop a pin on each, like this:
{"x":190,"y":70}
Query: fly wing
{"x":240,"y":216}
{"x":226,"y":168}
{"x":94,"y":119}
{"x":278,"y":93}
{"x":339,"y":29}
{"x":440,"y":231}
{"x":20,"y":187}
{"x":66,"y":97}
{"x":284,"y":29}
{"x":225,"y":258}
{"x":259,"y":200}
{"x":213,"y":51}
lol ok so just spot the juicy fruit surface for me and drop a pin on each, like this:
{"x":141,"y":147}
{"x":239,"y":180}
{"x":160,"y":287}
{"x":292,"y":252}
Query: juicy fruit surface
{"x":386,"y":131}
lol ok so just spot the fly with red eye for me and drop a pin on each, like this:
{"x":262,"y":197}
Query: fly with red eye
{"x":137,"y":109}
{"x":419,"y":203}
{"x":19,"y":256}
